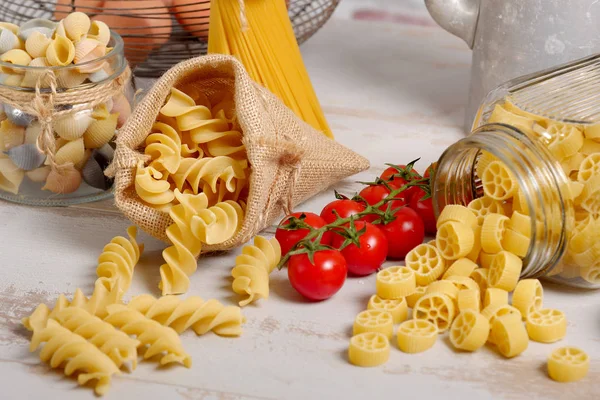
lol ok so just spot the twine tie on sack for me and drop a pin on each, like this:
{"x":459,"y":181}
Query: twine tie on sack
{"x":43,"y":106}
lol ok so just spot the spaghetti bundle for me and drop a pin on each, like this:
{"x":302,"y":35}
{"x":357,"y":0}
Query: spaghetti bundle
{"x":261,"y":36}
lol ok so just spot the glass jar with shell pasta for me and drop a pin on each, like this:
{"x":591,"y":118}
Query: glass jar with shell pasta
{"x":534,"y":158}
{"x":59,"y":118}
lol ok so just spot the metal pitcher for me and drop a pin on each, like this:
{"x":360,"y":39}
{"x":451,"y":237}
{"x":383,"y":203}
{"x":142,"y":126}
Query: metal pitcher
{"x":511,"y":38}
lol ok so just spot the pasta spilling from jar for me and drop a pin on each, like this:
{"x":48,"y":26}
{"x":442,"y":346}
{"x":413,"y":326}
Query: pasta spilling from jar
{"x":577,"y":149}
{"x":197,"y":172}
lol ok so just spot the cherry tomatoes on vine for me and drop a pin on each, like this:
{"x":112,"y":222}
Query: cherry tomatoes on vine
{"x":375,"y":193}
{"x":320,"y":279}
{"x":288,"y":238}
{"x":344,"y":207}
{"x":371,"y":254}
{"x":425,"y":210}
{"x":403,"y":233}
{"x":398,"y":177}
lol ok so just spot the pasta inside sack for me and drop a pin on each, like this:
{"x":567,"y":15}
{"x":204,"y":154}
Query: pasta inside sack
{"x":205,"y":129}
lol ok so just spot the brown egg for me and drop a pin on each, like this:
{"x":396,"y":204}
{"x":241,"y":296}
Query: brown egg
{"x":192,"y":17}
{"x":144,"y":25}
{"x":65,"y":7}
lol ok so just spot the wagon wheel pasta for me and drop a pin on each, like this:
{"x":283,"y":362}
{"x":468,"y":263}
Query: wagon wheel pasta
{"x":492,"y":312}
{"x":191,"y":313}
{"x":412,"y":298}
{"x":369,"y":349}
{"x":416,"y":335}
{"x":398,"y":308}
{"x":457,"y":213}
{"x":483,"y":206}
{"x":469,"y":331}
{"x":492,"y":232}
{"x":498,"y":182}
{"x":568,"y":364}
{"x":427,"y":263}
{"x":495,"y":297}
{"x":454,"y":240}
{"x":252,"y":269}
{"x":469,"y":299}
{"x":161,"y":340}
{"x":378,"y":321}
{"x":446,"y":287}
{"x":509,"y":335}
{"x":505,"y":271}
{"x":395,"y":282}
{"x":436,"y":308}
{"x":461,"y":267}
{"x":75,"y":354}
{"x":546,"y":325}
{"x":528,"y":296}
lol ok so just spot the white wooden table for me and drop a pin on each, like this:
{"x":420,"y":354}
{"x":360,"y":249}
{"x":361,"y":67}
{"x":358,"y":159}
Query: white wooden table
{"x":393,"y":93}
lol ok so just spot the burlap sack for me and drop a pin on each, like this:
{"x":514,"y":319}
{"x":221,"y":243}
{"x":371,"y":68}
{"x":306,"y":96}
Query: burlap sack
{"x":290,"y":161}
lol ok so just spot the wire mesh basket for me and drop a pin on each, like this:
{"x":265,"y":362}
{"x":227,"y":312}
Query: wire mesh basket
{"x":159,"y":33}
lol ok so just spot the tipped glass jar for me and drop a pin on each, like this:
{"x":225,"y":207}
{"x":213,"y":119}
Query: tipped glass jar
{"x":58,"y":122}
{"x":534,"y":156}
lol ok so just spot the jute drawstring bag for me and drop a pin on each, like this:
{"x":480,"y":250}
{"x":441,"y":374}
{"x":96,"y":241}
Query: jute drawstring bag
{"x":290,"y":161}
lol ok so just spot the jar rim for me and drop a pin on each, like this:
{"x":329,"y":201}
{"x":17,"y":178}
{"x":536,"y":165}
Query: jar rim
{"x":118,"y":48}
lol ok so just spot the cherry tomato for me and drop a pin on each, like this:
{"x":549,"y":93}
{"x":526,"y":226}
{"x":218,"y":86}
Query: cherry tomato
{"x":319,"y":280}
{"x":425,"y":210}
{"x":401,"y":179}
{"x":375,"y":193}
{"x":288,"y":238}
{"x":430,"y":170}
{"x":345,"y":208}
{"x":404,"y":233}
{"x":367,"y":258}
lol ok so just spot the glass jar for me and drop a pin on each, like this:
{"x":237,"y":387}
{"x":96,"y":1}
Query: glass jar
{"x":543,"y":131}
{"x":90,"y":101}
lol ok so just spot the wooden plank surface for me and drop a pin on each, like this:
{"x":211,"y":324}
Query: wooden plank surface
{"x":392,"y":92}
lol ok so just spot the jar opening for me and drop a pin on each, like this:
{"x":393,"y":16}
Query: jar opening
{"x":539,"y":180}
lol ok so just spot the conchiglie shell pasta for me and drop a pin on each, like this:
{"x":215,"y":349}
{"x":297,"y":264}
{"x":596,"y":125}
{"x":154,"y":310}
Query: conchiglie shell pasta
{"x":71,"y":127}
{"x":76,"y":25}
{"x":86,"y":51}
{"x":72,"y":152}
{"x":37,"y":44}
{"x":11,"y":27}
{"x":16,"y":57}
{"x":32,"y":76}
{"x":70,"y":78}
{"x":101,"y":132}
{"x":11,"y":79}
{"x":32,"y":132}
{"x":61,"y":51}
{"x":11,"y":176}
{"x":99,"y":31}
{"x":8,"y":40}
{"x":63,"y":180}
{"x":12,"y":135}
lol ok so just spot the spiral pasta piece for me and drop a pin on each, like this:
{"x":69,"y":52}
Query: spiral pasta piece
{"x":454,"y":240}
{"x":469,"y":331}
{"x":397,"y":308}
{"x":457,"y":213}
{"x":152,"y":187}
{"x":483,"y":206}
{"x":427,"y":263}
{"x":436,"y":308}
{"x":395,"y":282}
{"x":416,"y":336}
{"x":369,"y":349}
{"x":461,"y":267}
{"x":498,"y":182}
{"x":469,"y":299}
{"x":568,"y":364}
{"x":191,"y":313}
{"x":378,"y":321}
{"x":119,"y":347}
{"x":206,"y":173}
{"x":509,"y":335}
{"x":117,"y":261}
{"x":546,"y":325}
{"x":66,"y":349}
{"x":159,"y":339}
{"x":164,"y":148}
{"x":177,"y":103}
{"x":180,"y":258}
{"x":252,"y":269}
{"x":218,"y":223}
